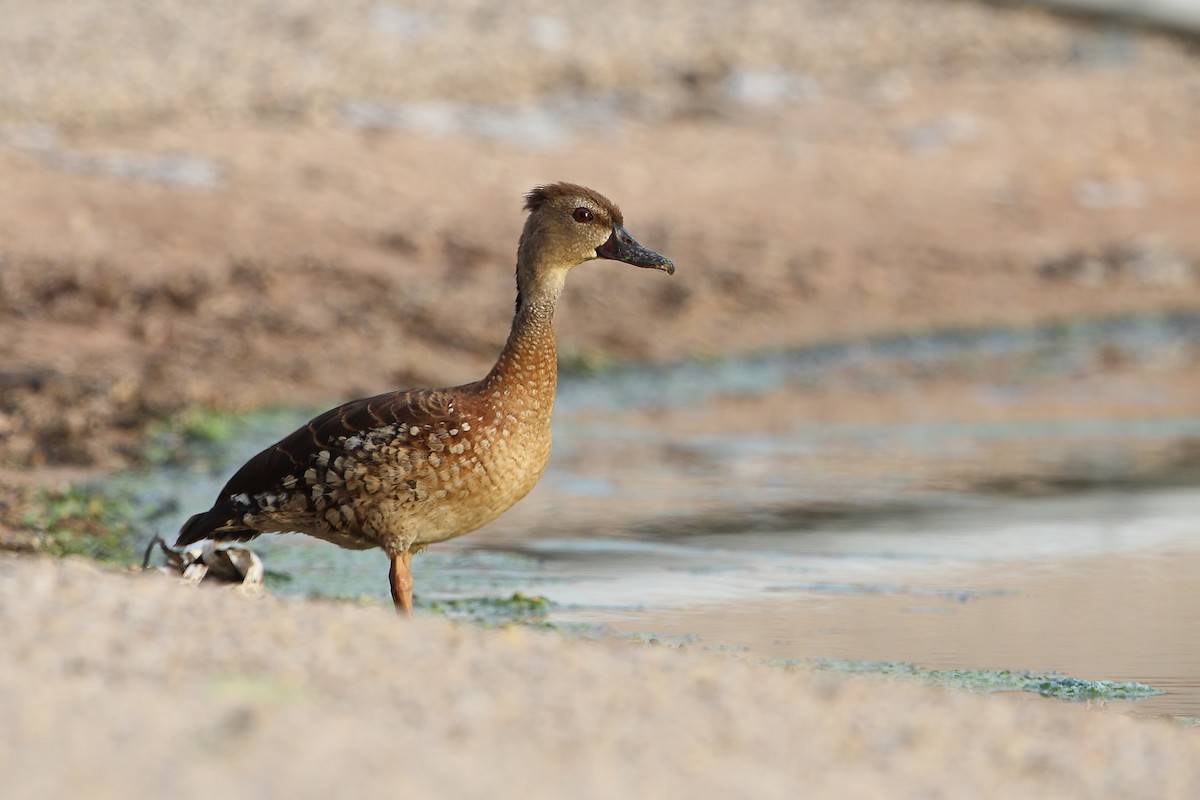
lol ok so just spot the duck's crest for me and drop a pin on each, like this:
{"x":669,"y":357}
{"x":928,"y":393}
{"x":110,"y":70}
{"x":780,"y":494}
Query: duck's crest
{"x":540,"y":195}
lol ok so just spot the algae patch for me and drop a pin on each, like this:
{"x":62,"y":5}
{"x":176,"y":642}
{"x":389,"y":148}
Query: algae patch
{"x":80,"y":521}
{"x":493,"y":611}
{"x":518,"y":609}
{"x":1050,"y":684}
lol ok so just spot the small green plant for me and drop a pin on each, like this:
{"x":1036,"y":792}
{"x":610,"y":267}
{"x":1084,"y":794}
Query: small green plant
{"x":204,"y":426}
{"x":174,"y":439}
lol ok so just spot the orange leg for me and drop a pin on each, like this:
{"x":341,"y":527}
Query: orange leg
{"x":401,"y":579}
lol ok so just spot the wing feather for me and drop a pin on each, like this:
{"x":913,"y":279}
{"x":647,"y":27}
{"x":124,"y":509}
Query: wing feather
{"x":293,"y":455}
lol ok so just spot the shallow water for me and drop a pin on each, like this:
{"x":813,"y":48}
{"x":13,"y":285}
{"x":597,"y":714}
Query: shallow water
{"x":884,"y":362}
{"x":713,"y":539}
{"x":1099,"y":586}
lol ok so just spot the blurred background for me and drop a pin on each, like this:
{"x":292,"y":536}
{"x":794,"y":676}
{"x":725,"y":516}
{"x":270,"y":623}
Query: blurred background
{"x":925,"y":386}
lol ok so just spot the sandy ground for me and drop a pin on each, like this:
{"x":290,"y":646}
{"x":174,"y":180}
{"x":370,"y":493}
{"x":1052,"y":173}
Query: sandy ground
{"x":243,"y":208}
{"x":141,"y":687}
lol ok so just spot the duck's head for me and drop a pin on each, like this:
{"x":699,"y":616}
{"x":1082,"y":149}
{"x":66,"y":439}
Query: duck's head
{"x":571,"y":224}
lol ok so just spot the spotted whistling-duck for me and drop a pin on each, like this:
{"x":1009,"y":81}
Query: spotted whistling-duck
{"x":406,"y":469}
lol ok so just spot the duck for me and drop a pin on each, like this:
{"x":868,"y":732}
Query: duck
{"x":407,"y":469}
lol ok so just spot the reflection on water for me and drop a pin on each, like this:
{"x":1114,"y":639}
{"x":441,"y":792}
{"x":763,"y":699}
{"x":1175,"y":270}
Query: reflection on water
{"x":645,"y":528}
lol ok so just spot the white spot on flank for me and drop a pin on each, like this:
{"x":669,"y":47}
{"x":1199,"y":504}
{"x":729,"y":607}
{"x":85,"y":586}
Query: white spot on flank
{"x":454,"y":431}
{"x":466,"y":426}
{"x":242,"y":498}
{"x":414,"y":430}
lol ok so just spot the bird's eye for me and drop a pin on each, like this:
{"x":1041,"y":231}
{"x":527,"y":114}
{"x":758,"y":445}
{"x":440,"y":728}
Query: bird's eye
{"x":582,"y":214}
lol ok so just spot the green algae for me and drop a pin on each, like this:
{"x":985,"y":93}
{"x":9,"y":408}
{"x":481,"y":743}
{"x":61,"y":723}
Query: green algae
{"x":1046,"y":684}
{"x":81,"y":521}
{"x":493,"y":612}
{"x":515,"y":610}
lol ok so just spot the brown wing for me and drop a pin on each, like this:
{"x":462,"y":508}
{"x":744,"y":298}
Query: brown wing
{"x":285,"y":462}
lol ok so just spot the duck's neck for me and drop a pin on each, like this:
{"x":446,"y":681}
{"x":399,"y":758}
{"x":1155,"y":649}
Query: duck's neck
{"x":526,"y":374}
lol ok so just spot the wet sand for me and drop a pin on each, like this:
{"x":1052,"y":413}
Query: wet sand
{"x":135,"y":686}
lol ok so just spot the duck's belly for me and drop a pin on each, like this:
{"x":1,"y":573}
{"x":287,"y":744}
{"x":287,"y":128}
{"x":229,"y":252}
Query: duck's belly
{"x":439,"y":498}
{"x":425,"y":498}
{"x":464,"y":497}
